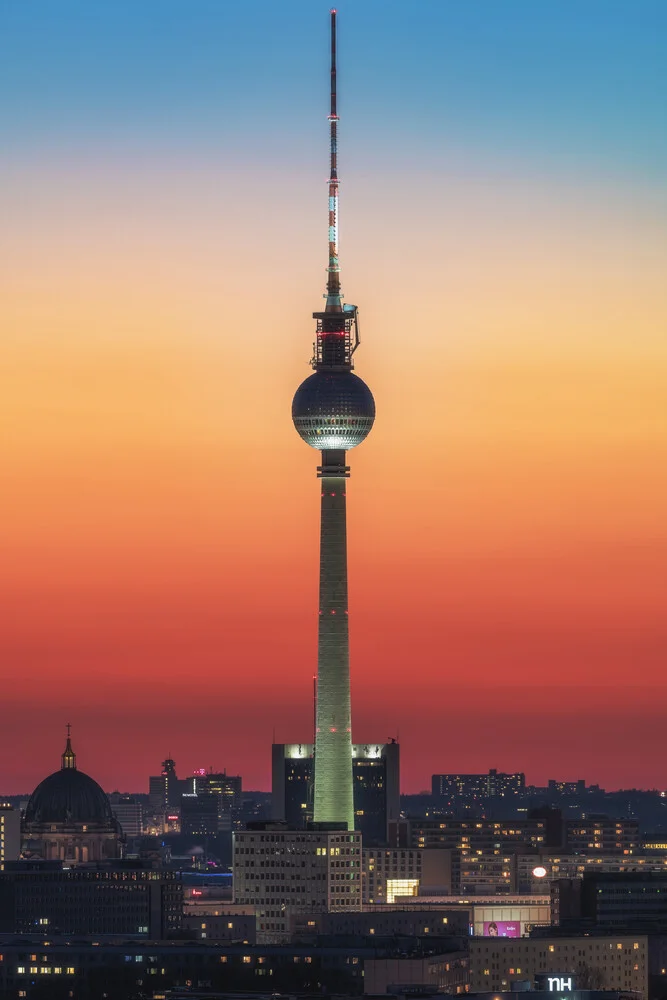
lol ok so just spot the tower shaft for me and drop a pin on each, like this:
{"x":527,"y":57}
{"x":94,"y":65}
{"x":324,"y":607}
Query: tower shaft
{"x":333,"y":737}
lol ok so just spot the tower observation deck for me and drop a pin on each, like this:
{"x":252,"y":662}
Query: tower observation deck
{"x":333,"y":410}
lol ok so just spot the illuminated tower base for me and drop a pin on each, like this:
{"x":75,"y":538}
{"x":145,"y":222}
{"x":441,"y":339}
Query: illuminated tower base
{"x":333,"y":737}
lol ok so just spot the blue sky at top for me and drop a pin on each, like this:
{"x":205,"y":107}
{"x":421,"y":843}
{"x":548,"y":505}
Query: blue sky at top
{"x":577,"y":82}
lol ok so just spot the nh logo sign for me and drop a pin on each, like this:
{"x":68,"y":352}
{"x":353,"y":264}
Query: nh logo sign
{"x":560,"y":984}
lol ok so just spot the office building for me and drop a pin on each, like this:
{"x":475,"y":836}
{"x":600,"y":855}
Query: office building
{"x":282,"y":872}
{"x":376,"y":787}
{"x":469,"y":788}
{"x":47,"y":898}
{"x":610,"y":963}
{"x":602,"y":834}
{"x":487,"y":836}
{"x":199,"y":815}
{"x":226,"y":787}
{"x":129,"y":813}
{"x":391,"y":872}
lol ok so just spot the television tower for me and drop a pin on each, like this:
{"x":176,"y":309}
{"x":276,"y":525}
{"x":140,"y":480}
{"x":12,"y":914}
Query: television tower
{"x":333,"y":411}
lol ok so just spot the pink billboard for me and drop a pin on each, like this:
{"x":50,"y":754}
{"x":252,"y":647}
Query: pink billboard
{"x":502,"y":928}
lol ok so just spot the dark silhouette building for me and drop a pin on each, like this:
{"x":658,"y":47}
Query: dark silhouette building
{"x":375,"y":778}
{"x":44,"y":897}
{"x":69,"y":818}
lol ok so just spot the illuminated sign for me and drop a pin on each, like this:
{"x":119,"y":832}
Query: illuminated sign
{"x":501,"y":928}
{"x":539,"y":872}
{"x":560,"y":984}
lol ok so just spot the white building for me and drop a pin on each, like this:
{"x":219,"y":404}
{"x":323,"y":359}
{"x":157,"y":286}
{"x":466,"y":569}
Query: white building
{"x":282,"y":873}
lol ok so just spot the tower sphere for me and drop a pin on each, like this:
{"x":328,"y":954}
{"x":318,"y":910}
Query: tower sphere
{"x":333,"y":410}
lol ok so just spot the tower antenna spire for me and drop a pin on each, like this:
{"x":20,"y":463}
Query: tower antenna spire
{"x":333,"y":295}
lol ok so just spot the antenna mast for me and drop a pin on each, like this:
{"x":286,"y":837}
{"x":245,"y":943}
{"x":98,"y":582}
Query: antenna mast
{"x":333,"y":270}
{"x":338,"y":326}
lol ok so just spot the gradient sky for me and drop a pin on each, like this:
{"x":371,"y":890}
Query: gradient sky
{"x":163,"y":243}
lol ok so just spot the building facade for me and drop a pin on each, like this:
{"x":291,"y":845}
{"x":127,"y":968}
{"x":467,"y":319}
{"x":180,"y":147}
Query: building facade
{"x":610,"y":963}
{"x":283,"y":872}
{"x":392,"y":872}
{"x":470,"y":788}
{"x":48,"y":898}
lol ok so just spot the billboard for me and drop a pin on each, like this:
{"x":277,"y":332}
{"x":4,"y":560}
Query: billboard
{"x":502,"y":928}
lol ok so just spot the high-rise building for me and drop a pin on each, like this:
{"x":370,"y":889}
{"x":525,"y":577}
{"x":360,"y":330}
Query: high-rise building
{"x":129,"y":813}
{"x":333,"y":411}
{"x":376,"y":787}
{"x":199,"y":815}
{"x":227,"y":789}
{"x":164,"y":789}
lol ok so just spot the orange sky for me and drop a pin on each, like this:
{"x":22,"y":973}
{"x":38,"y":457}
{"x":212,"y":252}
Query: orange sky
{"x":508,"y":547}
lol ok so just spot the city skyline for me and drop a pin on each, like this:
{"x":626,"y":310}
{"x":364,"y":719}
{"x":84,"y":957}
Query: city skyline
{"x":503,"y":236}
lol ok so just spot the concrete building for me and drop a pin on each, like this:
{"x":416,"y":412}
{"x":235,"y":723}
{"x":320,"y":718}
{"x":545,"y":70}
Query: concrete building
{"x":611,"y":963}
{"x":389,"y":872}
{"x":444,"y":972}
{"x":10,"y":833}
{"x":97,"y":901}
{"x":488,"y":836}
{"x":512,"y":915}
{"x":469,"y":788}
{"x":615,"y":900}
{"x":602,"y":835}
{"x":282,"y":872}
{"x":229,"y":927}
{"x":376,"y":787}
{"x":129,"y":814}
{"x":32,"y":968}
{"x":393,"y":922}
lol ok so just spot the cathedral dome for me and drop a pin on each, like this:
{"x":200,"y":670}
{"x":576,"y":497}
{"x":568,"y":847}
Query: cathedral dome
{"x":69,"y":818}
{"x":69,"y":796}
